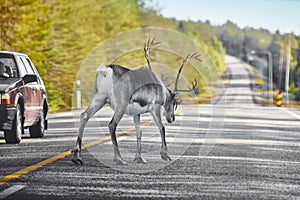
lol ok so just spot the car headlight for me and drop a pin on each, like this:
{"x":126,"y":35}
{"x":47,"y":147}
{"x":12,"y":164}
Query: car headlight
{"x":5,"y":99}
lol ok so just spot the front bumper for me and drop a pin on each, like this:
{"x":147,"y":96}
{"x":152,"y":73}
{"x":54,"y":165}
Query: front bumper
{"x":7,"y":116}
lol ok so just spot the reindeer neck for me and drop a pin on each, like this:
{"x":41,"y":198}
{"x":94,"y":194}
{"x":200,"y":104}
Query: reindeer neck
{"x":168,"y":94}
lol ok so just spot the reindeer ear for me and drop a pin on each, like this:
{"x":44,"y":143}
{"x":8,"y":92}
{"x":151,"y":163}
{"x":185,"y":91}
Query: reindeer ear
{"x":174,"y":94}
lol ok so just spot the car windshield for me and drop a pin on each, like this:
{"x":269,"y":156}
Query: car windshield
{"x":8,"y":67}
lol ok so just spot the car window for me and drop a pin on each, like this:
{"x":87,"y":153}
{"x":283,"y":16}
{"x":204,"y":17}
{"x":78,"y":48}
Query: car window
{"x":34,"y":70}
{"x":27,"y":66}
{"x":8,"y":66}
{"x":22,"y":68}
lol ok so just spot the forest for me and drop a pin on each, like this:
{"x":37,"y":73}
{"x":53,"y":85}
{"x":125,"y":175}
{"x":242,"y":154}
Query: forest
{"x":59,"y":35}
{"x":283,"y":48}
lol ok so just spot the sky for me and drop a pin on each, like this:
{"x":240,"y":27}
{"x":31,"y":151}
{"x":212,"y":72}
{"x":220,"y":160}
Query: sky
{"x":282,"y":15}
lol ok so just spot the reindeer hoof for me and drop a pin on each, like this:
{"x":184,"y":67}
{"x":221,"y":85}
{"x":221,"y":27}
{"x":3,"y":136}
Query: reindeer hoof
{"x":76,"y":159}
{"x":165,"y":156}
{"x":139,"y":159}
{"x":119,"y":161}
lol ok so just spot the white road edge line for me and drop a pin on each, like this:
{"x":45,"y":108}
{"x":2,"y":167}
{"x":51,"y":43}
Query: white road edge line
{"x":292,"y":113}
{"x":10,"y":191}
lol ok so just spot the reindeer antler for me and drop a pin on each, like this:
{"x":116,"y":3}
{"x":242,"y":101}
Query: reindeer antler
{"x":194,"y":84}
{"x":164,"y":80}
{"x":150,"y":44}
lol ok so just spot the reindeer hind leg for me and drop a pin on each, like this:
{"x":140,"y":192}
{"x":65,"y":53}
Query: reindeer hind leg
{"x":95,"y":105}
{"x":112,"y":129}
{"x":138,"y":157}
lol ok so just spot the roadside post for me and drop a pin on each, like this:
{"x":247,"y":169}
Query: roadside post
{"x":78,"y":95}
{"x":279,"y":99}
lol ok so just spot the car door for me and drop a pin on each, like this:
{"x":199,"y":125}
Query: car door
{"x":30,"y":92}
{"x":38,"y":89}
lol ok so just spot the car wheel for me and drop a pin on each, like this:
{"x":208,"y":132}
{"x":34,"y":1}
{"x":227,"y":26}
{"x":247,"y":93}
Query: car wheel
{"x":14,"y":136}
{"x":38,"y":130}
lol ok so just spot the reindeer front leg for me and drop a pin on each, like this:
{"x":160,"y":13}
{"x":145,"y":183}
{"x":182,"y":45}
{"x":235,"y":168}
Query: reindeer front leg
{"x":157,"y":118}
{"x":138,"y":157}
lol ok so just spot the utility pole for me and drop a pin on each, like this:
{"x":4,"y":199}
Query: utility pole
{"x":280,"y":59}
{"x":287,"y":72}
{"x":280,"y":65}
{"x":270,"y":63}
{"x":270,"y":78}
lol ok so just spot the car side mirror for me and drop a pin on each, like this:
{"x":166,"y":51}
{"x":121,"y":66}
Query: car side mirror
{"x":29,"y":78}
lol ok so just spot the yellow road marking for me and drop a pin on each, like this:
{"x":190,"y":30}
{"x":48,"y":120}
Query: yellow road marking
{"x":26,"y":170}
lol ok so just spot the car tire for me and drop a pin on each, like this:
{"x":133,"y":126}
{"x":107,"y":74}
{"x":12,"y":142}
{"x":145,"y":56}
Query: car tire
{"x":38,"y":130}
{"x":14,"y":135}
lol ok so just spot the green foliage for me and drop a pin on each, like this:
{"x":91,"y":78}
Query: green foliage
{"x":25,"y":28}
{"x":295,"y":90}
{"x":76,"y":28}
{"x":201,"y":32}
{"x":58,"y":35}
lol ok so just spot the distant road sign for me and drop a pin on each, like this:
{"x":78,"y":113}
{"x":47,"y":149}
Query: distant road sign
{"x":259,"y":81}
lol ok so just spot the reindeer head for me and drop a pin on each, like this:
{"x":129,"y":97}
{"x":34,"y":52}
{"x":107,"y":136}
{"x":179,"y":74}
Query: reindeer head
{"x":170,"y":104}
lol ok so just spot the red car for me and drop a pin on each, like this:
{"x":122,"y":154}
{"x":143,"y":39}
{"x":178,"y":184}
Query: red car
{"x":23,"y":97}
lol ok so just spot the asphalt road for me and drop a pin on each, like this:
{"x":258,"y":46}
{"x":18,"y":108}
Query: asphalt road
{"x":231,"y":149}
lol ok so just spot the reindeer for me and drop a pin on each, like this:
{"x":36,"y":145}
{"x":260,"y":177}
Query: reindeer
{"x":132,"y":92}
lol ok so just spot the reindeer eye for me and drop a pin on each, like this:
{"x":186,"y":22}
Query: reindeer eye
{"x":176,"y":104}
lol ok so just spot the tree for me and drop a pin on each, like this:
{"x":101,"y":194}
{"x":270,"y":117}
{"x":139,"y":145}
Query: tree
{"x":77,"y":28}
{"x":25,"y":28}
